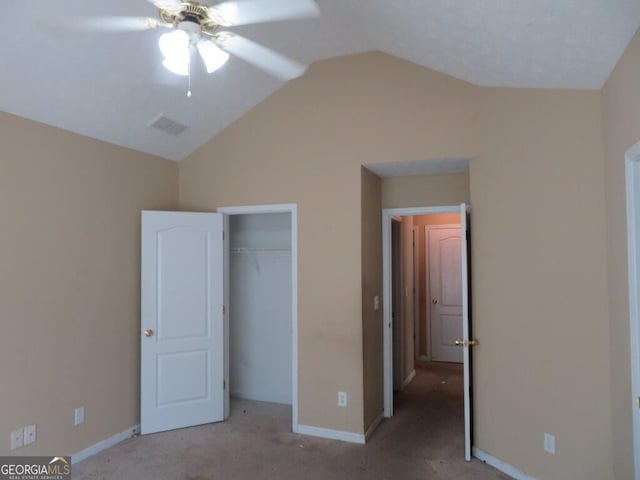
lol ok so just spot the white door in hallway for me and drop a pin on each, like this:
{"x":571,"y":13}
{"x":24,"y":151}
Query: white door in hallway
{"x":445,"y":291}
{"x":183,"y":356}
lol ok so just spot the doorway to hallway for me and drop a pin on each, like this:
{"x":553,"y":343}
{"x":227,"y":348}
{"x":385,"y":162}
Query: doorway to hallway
{"x":429,"y":323}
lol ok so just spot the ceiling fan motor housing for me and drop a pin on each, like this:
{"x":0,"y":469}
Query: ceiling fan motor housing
{"x":194,"y":13}
{"x":192,"y":29}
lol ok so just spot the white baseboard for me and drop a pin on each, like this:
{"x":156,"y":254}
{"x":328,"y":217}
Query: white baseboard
{"x":500,"y":465}
{"x":328,"y":433}
{"x":373,"y":426}
{"x":104,"y":444}
{"x":409,"y":379}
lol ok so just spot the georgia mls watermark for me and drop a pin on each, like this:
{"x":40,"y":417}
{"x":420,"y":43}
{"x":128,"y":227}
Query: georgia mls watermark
{"x":35,"y":468}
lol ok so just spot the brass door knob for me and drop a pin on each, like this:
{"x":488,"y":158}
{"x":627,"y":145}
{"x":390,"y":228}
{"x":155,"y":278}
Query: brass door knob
{"x":434,"y":300}
{"x":466,"y":343}
{"x":148,"y":332}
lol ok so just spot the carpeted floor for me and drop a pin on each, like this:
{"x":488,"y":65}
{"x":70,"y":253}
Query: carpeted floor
{"x":424,"y":440}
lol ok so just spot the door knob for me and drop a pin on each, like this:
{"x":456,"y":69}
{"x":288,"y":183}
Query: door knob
{"x":466,"y":343}
{"x":148,"y":332}
{"x":434,"y":300}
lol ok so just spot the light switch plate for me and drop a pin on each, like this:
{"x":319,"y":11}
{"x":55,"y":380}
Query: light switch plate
{"x":549,"y":443}
{"x":78,"y":416}
{"x":29,"y":434}
{"x":16,"y":439}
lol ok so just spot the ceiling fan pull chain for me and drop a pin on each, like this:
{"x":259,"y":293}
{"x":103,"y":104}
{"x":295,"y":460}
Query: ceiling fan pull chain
{"x":189,"y":72}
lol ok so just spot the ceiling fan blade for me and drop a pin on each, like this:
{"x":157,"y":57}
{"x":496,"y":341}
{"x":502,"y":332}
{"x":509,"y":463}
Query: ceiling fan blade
{"x":244,"y":12}
{"x":166,"y":3}
{"x":103,"y":24}
{"x":268,"y":60}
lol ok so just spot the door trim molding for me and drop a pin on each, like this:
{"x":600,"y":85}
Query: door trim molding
{"x":291,"y":208}
{"x":632,"y":174}
{"x":387,"y":215}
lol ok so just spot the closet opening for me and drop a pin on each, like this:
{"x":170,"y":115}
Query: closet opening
{"x":262,"y":312}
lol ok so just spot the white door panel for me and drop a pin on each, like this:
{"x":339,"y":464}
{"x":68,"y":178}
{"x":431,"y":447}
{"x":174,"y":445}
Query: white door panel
{"x":182,"y":332}
{"x":445,"y":288}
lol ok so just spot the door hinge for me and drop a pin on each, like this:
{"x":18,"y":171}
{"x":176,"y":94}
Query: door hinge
{"x":224,"y":384}
{"x":638,"y":402}
{"x":223,"y":237}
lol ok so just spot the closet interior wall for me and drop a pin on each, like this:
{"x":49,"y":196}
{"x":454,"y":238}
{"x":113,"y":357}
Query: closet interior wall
{"x":260,"y":317}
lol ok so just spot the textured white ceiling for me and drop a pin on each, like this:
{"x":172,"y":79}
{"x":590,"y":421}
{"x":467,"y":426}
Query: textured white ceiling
{"x":110,"y":86}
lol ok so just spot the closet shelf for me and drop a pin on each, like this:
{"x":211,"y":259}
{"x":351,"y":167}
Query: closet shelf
{"x":259,"y":250}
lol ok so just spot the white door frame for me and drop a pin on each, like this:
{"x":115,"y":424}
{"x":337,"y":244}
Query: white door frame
{"x":291,"y":208}
{"x":632,"y":172}
{"x":387,"y":344}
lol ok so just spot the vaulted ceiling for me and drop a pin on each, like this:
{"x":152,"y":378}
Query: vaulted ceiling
{"x":111,"y":86}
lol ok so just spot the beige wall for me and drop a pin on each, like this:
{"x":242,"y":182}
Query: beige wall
{"x":539,"y":283}
{"x":537,"y":192}
{"x":306,"y":144}
{"x":421,"y":221}
{"x":69,"y":282}
{"x":425,"y":190}
{"x":622,"y":130}
{"x":371,"y":255}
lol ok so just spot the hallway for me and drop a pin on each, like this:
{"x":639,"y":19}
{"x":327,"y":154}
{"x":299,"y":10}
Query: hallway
{"x":424,"y":440}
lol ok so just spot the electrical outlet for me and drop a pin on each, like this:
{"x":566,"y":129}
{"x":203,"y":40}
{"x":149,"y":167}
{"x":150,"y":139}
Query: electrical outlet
{"x":29,"y":434}
{"x":16,"y":439}
{"x":549,"y":443}
{"x":78,"y":416}
{"x":342,"y":399}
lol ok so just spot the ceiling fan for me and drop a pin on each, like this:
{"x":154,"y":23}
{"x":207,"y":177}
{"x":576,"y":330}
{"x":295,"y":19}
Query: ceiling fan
{"x":199,"y":27}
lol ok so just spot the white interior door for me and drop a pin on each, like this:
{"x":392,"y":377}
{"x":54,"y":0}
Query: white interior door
{"x":445,"y":289}
{"x":467,"y":341}
{"x":183,"y":351}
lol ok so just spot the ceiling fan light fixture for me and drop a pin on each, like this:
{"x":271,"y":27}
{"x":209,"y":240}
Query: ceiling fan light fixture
{"x":174,"y":45}
{"x":213,"y":57}
{"x":179,"y":66}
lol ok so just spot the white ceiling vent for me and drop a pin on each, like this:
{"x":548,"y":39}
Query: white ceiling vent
{"x":167,"y":125}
